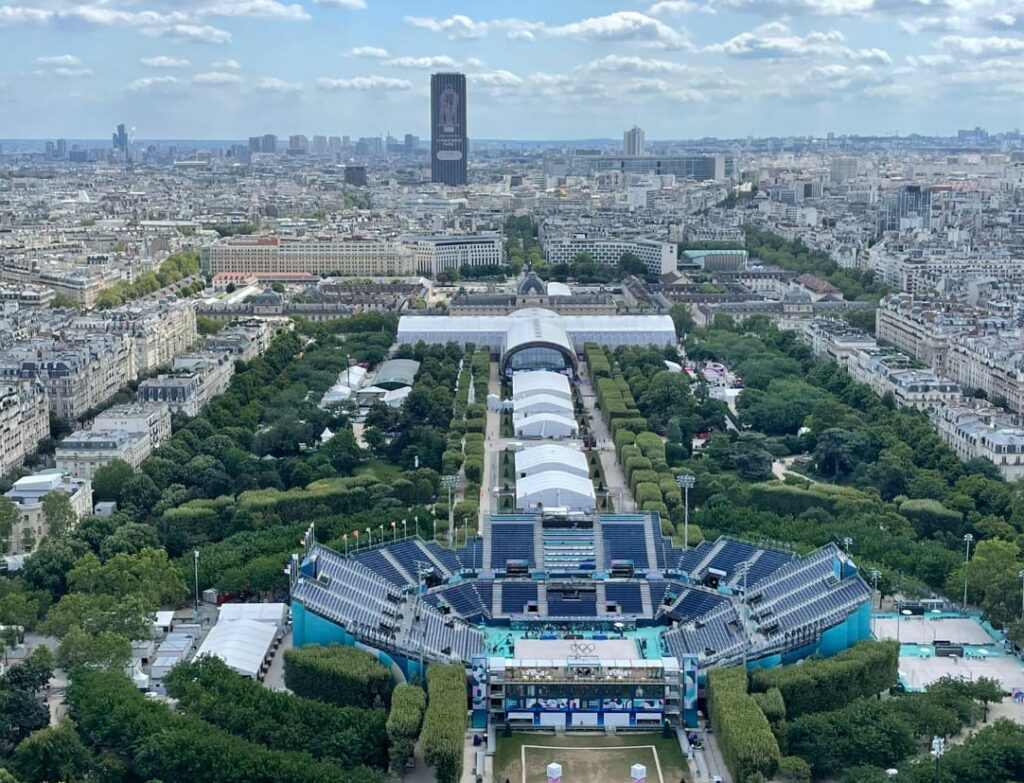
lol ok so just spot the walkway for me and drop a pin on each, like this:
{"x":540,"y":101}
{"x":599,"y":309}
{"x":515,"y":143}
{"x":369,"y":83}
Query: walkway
{"x":615,"y":480}
{"x":781,"y":469}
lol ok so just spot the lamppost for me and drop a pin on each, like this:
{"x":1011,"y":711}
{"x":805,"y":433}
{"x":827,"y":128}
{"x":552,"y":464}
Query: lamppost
{"x":903,"y":613}
{"x":394,"y":531}
{"x":405,"y":529}
{"x":968,"y":538}
{"x":686,"y":482}
{"x":1021,"y":575}
{"x":196,"y":558}
{"x":449,"y":483}
{"x":874,"y":573}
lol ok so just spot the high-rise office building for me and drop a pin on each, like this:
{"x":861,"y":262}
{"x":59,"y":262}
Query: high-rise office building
{"x":412,"y":143}
{"x":121,"y":139}
{"x":449,"y":142}
{"x":298,"y":144}
{"x":255,"y":144}
{"x":319,"y":145}
{"x":270,"y":143}
{"x":51,"y":150}
{"x":334,"y":145}
{"x":62,"y":148}
{"x":633,"y":141}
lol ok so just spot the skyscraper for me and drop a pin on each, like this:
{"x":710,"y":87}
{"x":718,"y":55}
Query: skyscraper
{"x":449,"y":143}
{"x":633,"y":141}
{"x":269,"y":143}
{"x":121,"y":139}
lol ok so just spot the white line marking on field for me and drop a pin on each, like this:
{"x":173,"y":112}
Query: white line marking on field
{"x":652,"y":748}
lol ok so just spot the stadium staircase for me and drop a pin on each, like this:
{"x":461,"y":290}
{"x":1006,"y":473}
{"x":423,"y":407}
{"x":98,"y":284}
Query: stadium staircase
{"x":496,"y":600}
{"x":538,"y":545}
{"x":652,"y":553}
{"x":441,"y":567}
{"x":485,"y":531}
{"x":645,"y":599}
{"x":598,"y":543}
{"x":542,"y":599}
{"x":698,"y":572}
{"x":599,"y":593}
{"x":409,"y":578}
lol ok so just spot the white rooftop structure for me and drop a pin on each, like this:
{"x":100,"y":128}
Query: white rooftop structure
{"x":525,"y":384}
{"x":542,"y":403}
{"x":260,"y":613}
{"x":551,"y":457}
{"x":242,"y":644}
{"x":546,"y":425}
{"x":555,"y":489}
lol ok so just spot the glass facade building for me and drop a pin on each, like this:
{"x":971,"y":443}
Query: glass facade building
{"x":449,"y":142}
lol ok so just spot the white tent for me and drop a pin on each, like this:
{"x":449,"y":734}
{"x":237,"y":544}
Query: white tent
{"x":260,"y":613}
{"x":242,"y":644}
{"x":555,"y":489}
{"x":525,"y":384}
{"x":542,"y":403}
{"x":546,"y":425}
{"x":551,"y":456}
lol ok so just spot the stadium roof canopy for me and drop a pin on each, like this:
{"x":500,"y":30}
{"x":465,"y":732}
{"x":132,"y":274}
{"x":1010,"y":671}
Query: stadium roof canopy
{"x":396,"y":373}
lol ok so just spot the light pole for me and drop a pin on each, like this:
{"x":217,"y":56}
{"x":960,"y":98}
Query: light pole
{"x":196,"y":558}
{"x":968,"y":538}
{"x":394,"y":531}
{"x":686,"y":482}
{"x":874,"y":573}
{"x":405,"y":529}
{"x":449,"y":483}
{"x":348,"y":370}
{"x":903,"y":613}
{"x":1021,"y":575}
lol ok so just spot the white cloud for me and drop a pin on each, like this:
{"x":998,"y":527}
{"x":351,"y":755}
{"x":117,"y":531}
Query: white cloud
{"x":163,"y":61}
{"x":216,"y":78}
{"x":776,"y":41}
{"x":617,"y":63}
{"x":153,"y":83}
{"x":197,"y":33}
{"x":227,"y":65}
{"x":990,"y":46}
{"x":60,"y":59}
{"x":372,"y":52}
{"x":71,"y":73}
{"x":436,"y":61}
{"x":259,"y":9}
{"x":457,"y":26}
{"x":889,"y":91}
{"x":11,"y":15}
{"x":498,"y":78}
{"x":351,"y":4}
{"x":673,"y":7}
{"x":374,"y":83}
{"x":273,"y":84}
{"x":801,"y":7}
{"x":622,"y":26}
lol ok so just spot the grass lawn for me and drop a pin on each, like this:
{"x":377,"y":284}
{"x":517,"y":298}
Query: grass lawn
{"x":385,"y":471}
{"x":589,"y":758}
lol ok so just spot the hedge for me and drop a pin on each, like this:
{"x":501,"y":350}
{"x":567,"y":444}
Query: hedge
{"x":156,"y":743}
{"x":208,"y":689}
{"x":338,"y":674}
{"x":821,"y":684}
{"x":403,"y":726}
{"x":744,"y":735}
{"x":646,"y":492}
{"x":444,"y":725}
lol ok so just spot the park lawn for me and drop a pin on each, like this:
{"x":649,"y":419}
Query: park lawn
{"x":588,"y":765}
{"x":384,"y":471}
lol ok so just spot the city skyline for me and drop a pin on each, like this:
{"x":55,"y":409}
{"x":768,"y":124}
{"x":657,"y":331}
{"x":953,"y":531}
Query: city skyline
{"x":212,"y":69}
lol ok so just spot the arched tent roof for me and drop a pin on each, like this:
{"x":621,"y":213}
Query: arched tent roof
{"x":551,"y":456}
{"x":536,"y":327}
{"x":531,"y":284}
{"x":396,"y":373}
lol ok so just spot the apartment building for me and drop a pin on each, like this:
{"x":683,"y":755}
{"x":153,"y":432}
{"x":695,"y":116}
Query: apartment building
{"x":153,"y":420}
{"x":349,"y":256}
{"x":28,"y":494}
{"x":976,"y":430}
{"x":180,"y":392}
{"x":24,"y":421}
{"x":990,"y":363}
{"x":82,"y":453}
{"x":436,"y":253}
{"x":659,"y":257}
{"x":159,"y":330}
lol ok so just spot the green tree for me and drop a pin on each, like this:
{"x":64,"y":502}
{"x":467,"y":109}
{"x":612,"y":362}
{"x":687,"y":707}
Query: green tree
{"x":8,"y":519}
{"x":52,"y":754}
{"x":837,"y":452}
{"x":110,"y":478}
{"x":58,"y":513}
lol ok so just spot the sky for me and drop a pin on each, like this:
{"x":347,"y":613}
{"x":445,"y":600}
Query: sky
{"x":557,"y":69}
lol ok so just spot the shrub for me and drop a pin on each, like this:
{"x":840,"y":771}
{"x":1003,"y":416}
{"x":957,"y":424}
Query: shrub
{"x":815,"y":685}
{"x":744,"y":735}
{"x":340,"y":675}
{"x":407,"y":705}
{"x":793,"y":769}
{"x":444,"y":724}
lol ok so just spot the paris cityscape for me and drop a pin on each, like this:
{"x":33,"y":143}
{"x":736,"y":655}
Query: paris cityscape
{"x":428,"y":392}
